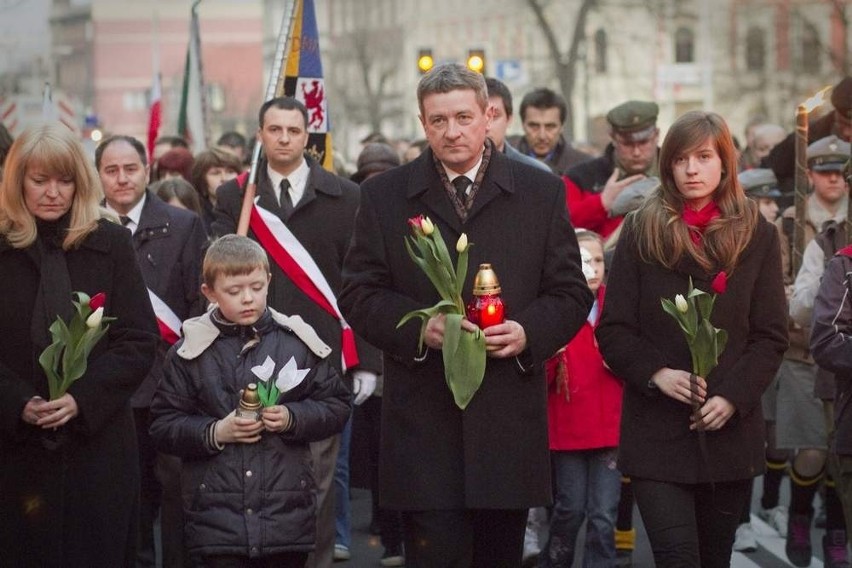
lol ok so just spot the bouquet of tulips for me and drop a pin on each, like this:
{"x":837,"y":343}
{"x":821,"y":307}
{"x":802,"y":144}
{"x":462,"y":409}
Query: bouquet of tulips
{"x":66,"y":359}
{"x":692,"y":313}
{"x":463,"y":352}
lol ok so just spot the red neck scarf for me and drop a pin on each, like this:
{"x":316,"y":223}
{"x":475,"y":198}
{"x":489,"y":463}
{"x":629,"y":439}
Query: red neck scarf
{"x":697,"y":221}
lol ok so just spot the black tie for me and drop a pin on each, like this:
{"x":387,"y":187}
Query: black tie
{"x":461,"y":184}
{"x":286,"y":201}
{"x":124,"y":219}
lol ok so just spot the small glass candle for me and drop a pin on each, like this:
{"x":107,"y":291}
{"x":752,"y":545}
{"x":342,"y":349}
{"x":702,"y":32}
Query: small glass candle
{"x":486,"y":308}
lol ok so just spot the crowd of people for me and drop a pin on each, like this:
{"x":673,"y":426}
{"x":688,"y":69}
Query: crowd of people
{"x":246,"y":382}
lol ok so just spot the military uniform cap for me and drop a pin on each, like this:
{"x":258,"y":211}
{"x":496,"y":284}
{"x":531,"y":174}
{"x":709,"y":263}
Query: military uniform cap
{"x":829,"y":154}
{"x":634,"y":120}
{"x":759,"y":182}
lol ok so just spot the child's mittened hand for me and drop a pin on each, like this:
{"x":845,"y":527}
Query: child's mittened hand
{"x":276,"y":418}
{"x":234,"y":430}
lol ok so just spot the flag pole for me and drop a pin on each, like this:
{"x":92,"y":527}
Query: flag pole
{"x":271,"y":87}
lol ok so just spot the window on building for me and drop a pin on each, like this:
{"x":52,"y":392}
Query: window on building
{"x":684,"y":45}
{"x":755,"y":49}
{"x":136,"y":100}
{"x":216,"y":97}
{"x":600,"y":51}
{"x":810,"y":54}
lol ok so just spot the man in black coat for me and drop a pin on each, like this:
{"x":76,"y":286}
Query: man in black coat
{"x":465,"y":479}
{"x":318,"y":209}
{"x":169,"y":243}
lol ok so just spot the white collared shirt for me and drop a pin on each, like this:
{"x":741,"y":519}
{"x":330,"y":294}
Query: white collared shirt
{"x":134,"y":214}
{"x":298,"y":181}
{"x":469,"y":174}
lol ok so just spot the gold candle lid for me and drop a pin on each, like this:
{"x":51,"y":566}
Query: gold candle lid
{"x":485,"y":283}
{"x":250,"y":399}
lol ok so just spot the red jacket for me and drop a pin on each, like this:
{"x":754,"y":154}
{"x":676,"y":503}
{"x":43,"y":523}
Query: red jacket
{"x":587,"y":211}
{"x":591,"y":418}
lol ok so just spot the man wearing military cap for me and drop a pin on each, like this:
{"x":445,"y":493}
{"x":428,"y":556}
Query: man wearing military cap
{"x":592,"y":186}
{"x":805,"y":393}
{"x":761,"y":185}
{"x":782,"y":158}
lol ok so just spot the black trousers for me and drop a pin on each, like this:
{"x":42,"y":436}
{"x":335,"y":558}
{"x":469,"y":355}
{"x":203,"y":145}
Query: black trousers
{"x":691,"y":525}
{"x":464,"y":538}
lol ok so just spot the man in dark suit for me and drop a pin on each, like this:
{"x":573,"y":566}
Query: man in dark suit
{"x":465,"y":479}
{"x":169,"y":245}
{"x":318,"y":209}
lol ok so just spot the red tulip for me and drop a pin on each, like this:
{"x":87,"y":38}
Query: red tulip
{"x":416,"y":224}
{"x":720,"y":283}
{"x":97,"y":301}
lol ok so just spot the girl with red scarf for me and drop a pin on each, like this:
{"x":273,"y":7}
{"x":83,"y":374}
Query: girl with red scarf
{"x":691,"y":472}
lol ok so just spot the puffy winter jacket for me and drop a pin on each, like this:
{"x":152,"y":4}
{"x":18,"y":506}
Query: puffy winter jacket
{"x":247,"y":499}
{"x":831,"y":334}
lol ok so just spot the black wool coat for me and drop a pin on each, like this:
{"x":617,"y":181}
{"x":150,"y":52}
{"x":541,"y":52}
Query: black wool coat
{"x":169,"y":244}
{"x":494,"y":454}
{"x":323,"y":221}
{"x":75,"y":505}
{"x":637,"y":338}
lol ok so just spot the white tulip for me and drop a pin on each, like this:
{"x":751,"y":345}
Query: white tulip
{"x":681,"y":304}
{"x":263,"y":372}
{"x":461,"y":244}
{"x":427,"y":226}
{"x":94,"y":319}
{"x":290,"y":376}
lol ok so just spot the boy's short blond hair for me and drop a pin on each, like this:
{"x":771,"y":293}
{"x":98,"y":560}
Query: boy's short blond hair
{"x":232,"y":255}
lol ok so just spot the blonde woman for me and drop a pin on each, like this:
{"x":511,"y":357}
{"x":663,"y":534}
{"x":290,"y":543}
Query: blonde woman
{"x":691,"y":472}
{"x":68,"y":467}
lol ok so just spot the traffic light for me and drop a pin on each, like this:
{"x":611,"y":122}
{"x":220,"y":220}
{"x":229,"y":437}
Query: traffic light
{"x":476,"y":60}
{"x":425,"y":62}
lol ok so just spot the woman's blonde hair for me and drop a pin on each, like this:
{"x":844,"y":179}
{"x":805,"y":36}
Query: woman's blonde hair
{"x":55,"y":149}
{"x":661,"y":235}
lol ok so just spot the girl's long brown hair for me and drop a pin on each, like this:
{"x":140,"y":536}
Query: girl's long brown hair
{"x":662,"y":235}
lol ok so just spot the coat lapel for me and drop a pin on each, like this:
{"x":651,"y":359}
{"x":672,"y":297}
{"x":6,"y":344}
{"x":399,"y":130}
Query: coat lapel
{"x":497,"y":179}
{"x":425,"y":185}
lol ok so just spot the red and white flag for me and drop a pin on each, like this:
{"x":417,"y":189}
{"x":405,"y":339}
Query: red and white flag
{"x":155,"y":116}
{"x":296,"y":262}
{"x":167,"y":320}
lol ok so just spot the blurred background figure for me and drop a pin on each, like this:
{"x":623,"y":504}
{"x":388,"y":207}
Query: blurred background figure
{"x":761,"y":185}
{"x":414,"y":150}
{"x":543,"y":114}
{"x":764,"y":137}
{"x":178,"y":192}
{"x":234,"y":143}
{"x":177,"y":162}
{"x":210,"y":169}
{"x":5,"y":143}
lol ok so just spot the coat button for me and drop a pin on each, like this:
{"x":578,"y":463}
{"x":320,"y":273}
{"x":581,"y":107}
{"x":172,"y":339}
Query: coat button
{"x":248,"y":473}
{"x":202,"y":487}
{"x":249,"y":511}
{"x":303,"y":483}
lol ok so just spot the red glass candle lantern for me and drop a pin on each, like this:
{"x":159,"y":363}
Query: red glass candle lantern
{"x":486,"y":307}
